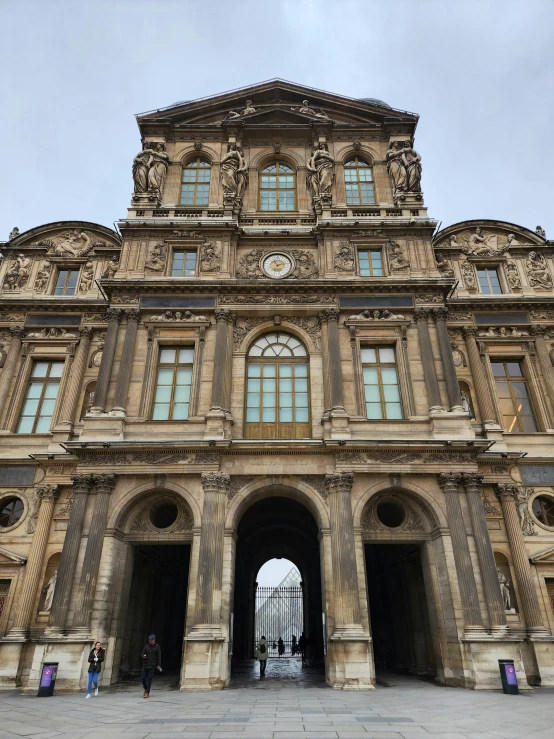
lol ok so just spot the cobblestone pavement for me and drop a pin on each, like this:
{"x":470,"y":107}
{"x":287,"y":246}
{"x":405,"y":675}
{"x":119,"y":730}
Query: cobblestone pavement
{"x":408,"y":709}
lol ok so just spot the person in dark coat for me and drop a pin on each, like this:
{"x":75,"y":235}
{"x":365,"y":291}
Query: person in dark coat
{"x":151,"y":660}
{"x":303,"y":646}
{"x":293,"y":645}
{"x":95,"y":658}
{"x":261,"y":654}
{"x":281,"y":646}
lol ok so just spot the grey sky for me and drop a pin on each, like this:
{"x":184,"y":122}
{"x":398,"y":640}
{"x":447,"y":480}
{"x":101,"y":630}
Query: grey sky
{"x":272,"y":573}
{"x":73,"y":74}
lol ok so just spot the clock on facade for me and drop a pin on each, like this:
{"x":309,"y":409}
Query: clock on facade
{"x":277,"y":265}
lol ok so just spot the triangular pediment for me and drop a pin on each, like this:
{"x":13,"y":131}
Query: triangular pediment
{"x":545,"y":556}
{"x":10,"y":558}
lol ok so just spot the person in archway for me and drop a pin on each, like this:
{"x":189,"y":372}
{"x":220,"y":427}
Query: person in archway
{"x":293,"y":645}
{"x":303,"y":646}
{"x":261,"y":654}
{"x":151,"y":660}
{"x":95,"y":658}
{"x":280,"y":646}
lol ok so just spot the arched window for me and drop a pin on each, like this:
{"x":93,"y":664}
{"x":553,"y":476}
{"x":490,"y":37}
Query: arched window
{"x":195,"y":189}
{"x":358,"y":178}
{"x":277,"y":405}
{"x":278,"y":187}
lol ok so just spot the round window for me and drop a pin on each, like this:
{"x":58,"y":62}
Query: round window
{"x":11,"y":510}
{"x":543,"y":509}
{"x":163,"y":515}
{"x":390,"y":514}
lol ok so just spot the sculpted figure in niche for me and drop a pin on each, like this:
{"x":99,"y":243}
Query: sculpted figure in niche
{"x":397,"y":260}
{"x":321,"y":172}
{"x":87,"y":276}
{"x":157,"y":258}
{"x":537,"y":271}
{"x":49,"y":590}
{"x":344,"y":258}
{"x":505,"y":590}
{"x":210,"y":258}
{"x":18,"y":274}
{"x":158,"y":169}
{"x":512,"y":275}
{"x":111,"y":269}
{"x":444,"y":266}
{"x":43,"y":275}
{"x":234,"y":172}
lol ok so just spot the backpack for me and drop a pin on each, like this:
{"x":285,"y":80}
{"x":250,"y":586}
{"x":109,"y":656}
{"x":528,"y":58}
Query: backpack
{"x":262,"y":648}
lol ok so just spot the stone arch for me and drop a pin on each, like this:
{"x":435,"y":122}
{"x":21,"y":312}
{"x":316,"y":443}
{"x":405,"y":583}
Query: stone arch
{"x":435,"y":515}
{"x":183,"y":155}
{"x":132,"y":500}
{"x":306,"y":493}
{"x":365,"y":152}
{"x":285,"y":326}
{"x":289,"y":156}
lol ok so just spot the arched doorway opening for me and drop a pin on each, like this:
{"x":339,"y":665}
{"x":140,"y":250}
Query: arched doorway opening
{"x":276,"y":527}
{"x":279,"y":608}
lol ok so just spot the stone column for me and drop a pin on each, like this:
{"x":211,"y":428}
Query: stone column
{"x":543,"y":354}
{"x":511,"y":497}
{"x":105,"y":371}
{"x":454,"y":398}
{"x":126,"y":363}
{"x":449,"y":483}
{"x":46,"y":497}
{"x":17,"y":333}
{"x":102,"y":486}
{"x":343,"y":553}
{"x":222,"y":369}
{"x":473,"y":484}
{"x":336,"y":397}
{"x":70,"y":552}
{"x":429,"y":371}
{"x":210,"y":556}
{"x":482,"y":388}
{"x":75,"y":380}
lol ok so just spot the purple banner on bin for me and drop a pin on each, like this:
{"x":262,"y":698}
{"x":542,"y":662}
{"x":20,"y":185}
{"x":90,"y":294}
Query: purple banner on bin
{"x":511,"y":677}
{"x":46,"y":678}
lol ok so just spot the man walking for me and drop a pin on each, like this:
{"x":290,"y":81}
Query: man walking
{"x":151,"y":659}
{"x":261,"y":654}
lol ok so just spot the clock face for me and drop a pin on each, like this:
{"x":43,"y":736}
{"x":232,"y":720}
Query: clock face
{"x":277,"y":265}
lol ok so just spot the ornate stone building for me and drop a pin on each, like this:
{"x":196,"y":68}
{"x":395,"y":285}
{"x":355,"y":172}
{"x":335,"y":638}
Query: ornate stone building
{"x":277,"y":355}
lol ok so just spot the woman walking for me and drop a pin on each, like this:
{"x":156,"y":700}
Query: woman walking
{"x":95,"y":658}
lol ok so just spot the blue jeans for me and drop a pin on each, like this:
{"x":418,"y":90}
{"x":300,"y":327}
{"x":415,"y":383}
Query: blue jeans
{"x":92,"y":678}
{"x":147,"y":673}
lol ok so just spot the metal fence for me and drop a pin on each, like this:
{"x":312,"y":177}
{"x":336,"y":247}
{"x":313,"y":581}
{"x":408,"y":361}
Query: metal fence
{"x":279,"y":613}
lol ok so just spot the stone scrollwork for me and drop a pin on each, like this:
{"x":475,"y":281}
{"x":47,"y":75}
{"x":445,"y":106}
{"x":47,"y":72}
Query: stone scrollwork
{"x":243,"y":326}
{"x":156,"y":260}
{"x":216,"y":482}
{"x":276,"y":299}
{"x":142,"y":523}
{"x":344,"y":258}
{"x":537,"y":271}
{"x":412,"y":519}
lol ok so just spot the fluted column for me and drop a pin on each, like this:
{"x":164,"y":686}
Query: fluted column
{"x":482,"y":388}
{"x":105,"y":371}
{"x":17,"y":333}
{"x":473,"y":484}
{"x":429,"y":371}
{"x":452,"y":387}
{"x":449,"y":483}
{"x":102,"y":485}
{"x":70,"y":552}
{"x":210,"y":556}
{"x":336,"y":399}
{"x":47,"y":495}
{"x":75,"y":380}
{"x":543,"y":354}
{"x":222,"y":368}
{"x":510,"y":497}
{"x":126,"y":363}
{"x":343,"y":552}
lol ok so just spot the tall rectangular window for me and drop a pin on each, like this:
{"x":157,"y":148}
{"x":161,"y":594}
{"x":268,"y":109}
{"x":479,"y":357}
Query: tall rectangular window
{"x":371,"y":262}
{"x":381,"y":391}
{"x":184,"y":263}
{"x":66,"y":284}
{"x":489,"y":283}
{"x":172,"y":399}
{"x":513,"y":396}
{"x":40,"y":398}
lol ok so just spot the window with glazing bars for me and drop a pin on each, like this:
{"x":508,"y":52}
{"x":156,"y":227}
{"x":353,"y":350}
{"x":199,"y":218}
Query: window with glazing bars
{"x":184,"y":263}
{"x":277,"y":187}
{"x":66,"y":284}
{"x":489,"y":282}
{"x":371,"y":262}
{"x":381,"y":391}
{"x":513,"y":396}
{"x":172,"y":399}
{"x":40,"y":398}
{"x":195,"y":188}
{"x":358,"y":180}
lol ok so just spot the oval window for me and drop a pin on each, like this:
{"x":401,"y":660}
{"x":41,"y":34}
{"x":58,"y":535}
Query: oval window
{"x":543,"y":509}
{"x":163,"y":515}
{"x":11,"y":510}
{"x":390,"y":514}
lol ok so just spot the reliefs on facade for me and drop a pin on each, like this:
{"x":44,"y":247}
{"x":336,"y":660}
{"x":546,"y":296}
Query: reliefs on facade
{"x":72,"y":243}
{"x":43,"y":276}
{"x":87,"y":277}
{"x":320,"y":176}
{"x":468,"y":275}
{"x":276,"y":299}
{"x":537,"y":271}
{"x":149,"y":171}
{"x":377,"y":315}
{"x":44,"y":492}
{"x":111,"y":268}
{"x":177,"y":315}
{"x":18,"y":274}
{"x":444,"y":265}
{"x":512,"y":275}
{"x":521,"y":498}
{"x":344,"y":258}
{"x":396,"y":259}
{"x":249,"y":266}
{"x":210,"y":257}
{"x":156,"y":261}
{"x":371,"y":522}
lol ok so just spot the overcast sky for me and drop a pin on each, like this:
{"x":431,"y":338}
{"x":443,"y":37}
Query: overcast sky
{"x":74,"y":74}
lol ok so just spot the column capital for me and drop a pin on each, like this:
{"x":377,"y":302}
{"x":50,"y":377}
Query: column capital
{"x":330,"y":314}
{"x":114,"y":314}
{"x":449,"y":482}
{"x":339,"y":482}
{"x":104,"y":483}
{"x":48,"y":492}
{"x":539,"y":330}
{"x":508,"y":491}
{"x":85,"y":332}
{"x":438,"y":314}
{"x":223,"y":314}
{"x":473,"y":481}
{"x":469,"y":331}
{"x":133,"y":314}
{"x":421,"y":314}
{"x":18,"y":332}
{"x":216,"y":482}
{"x":81,"y":484}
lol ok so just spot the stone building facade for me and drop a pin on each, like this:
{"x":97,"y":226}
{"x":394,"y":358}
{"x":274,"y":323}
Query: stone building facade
{"x":277,"y":355}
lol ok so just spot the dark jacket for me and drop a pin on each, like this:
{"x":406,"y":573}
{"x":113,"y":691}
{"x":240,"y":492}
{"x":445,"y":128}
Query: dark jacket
{"x":151,"y":655}
{"x":95,"y":664}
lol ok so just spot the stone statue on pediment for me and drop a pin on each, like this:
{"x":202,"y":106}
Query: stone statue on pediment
{"x":73,"y":243}
{"x":540,"y":232}
{"x":306,"y":110}
{"x":14,"y":233}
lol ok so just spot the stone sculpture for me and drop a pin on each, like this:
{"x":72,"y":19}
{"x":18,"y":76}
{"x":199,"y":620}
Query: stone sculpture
{"x":320,"y":174}
{"x":157,"y":258}
{"x":344,"y":258}
{"x":412,"y":162}
{"x":444,"y":266}
{"x":149,"y":170}
{"x":43,"y":276}
{"x":397,"y":260}
{"x":234,"y":175}
{"x":537,"y":271}
{"x":158,"y":169}
{"x":111,"y":269}
{"x":541,"y":232}
{"x":404,"y":167}
{"x":18,"y":275}
{"x":468,"y":275}
{"x":87,"y":276}
{"x":505,"y":590}
{"x":49,"y":590}
{"x":75,"y":243}
{"x":377,"y":315}
{"x":14,"y":233}
{"x":141,"y":164}
{"x":306,"y":110}
{"x":512,"y":276}
{"x":210,"y":258}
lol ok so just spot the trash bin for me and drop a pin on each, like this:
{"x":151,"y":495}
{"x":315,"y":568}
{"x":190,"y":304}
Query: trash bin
{"x":508,"y":675}
{"x":47,"y":679}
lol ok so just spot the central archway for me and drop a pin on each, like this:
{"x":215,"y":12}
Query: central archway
{"x":275,"y":527}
